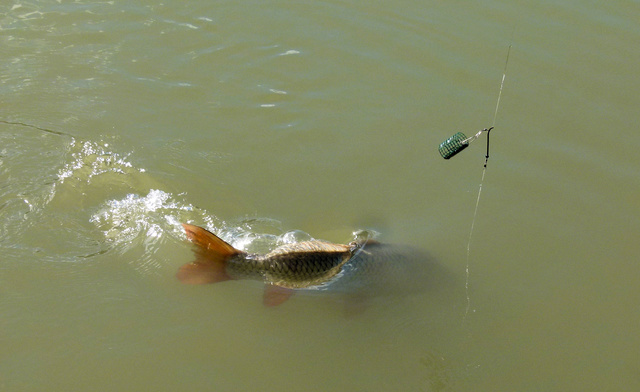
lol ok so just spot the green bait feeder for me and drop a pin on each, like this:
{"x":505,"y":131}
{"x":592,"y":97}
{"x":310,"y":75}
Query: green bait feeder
{"x":459,"y":142}
{"x":453,"y":145}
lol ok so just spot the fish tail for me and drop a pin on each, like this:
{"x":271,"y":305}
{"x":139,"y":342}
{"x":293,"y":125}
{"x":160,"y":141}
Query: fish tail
{"x":212,"y":254}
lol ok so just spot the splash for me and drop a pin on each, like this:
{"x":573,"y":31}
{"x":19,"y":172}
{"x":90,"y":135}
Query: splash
{"x":147,"y":217}
{"x":91,"y":159}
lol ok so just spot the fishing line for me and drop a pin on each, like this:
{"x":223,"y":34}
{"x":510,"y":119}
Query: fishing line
{"x":35,"y":127}
{"x":484,"y":171}
{"x":459,"y":142}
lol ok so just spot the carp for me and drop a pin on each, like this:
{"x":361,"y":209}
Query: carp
{"x":360,"y":266}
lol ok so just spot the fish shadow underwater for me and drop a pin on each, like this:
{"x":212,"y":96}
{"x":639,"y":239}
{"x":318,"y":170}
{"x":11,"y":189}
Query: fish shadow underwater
{"x":354,"y":272}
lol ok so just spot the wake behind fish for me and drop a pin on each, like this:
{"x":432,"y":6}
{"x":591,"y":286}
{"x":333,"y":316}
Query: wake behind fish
{"x":68,"y":199}
{"x":147,"y":220}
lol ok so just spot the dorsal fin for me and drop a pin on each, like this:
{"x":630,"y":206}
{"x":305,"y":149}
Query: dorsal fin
{"x":209,"y":266}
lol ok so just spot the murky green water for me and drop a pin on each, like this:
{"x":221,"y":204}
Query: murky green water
{"x":122,"y":119}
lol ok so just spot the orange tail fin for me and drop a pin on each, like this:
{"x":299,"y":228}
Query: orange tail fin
{"x":211,"y":255}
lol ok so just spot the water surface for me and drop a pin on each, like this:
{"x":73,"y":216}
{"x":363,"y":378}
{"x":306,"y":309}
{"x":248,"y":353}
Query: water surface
{"x":318,"y":119}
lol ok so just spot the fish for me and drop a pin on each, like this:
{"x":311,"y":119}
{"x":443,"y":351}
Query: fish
{"x":361,"y":267}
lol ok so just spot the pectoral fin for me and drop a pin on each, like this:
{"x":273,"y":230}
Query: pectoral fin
{"x":355,"y":305}
{"x":275,"y":295}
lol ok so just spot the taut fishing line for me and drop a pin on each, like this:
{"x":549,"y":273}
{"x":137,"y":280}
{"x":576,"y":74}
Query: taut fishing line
{"x":459,"y":142}
{"x":35,"y":127}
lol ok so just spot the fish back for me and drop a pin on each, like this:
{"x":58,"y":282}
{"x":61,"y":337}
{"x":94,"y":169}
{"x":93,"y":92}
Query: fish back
{"x":305,"y":264}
